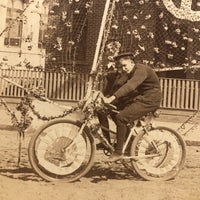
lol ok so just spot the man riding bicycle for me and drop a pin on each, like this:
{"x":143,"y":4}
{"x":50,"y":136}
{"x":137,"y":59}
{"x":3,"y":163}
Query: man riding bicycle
{"x":136,"y":92}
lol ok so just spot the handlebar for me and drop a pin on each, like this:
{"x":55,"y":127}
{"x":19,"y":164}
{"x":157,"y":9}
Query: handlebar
{"x":94,"y":98}
{"x":112,"y":107}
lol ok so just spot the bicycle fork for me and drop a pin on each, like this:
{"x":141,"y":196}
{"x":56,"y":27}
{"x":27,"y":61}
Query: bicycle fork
{"x":75,"y":138}
{"x":151,"y":141}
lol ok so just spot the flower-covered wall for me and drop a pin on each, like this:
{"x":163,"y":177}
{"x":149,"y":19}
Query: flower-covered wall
{"x":20,"y":31}
{"x":161,"y":33}
{"x":66,"y":35}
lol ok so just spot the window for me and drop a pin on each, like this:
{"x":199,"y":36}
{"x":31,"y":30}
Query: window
{"x":42,"y":31}
{"x":13,"y":35}
{"x":43,"y":27}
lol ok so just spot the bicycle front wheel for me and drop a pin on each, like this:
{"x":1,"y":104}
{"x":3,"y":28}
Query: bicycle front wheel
{"x":160,"y":154}
{"x":57,"y":153}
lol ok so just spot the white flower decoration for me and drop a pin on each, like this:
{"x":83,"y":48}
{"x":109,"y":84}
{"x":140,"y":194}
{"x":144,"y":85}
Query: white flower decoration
{"x":141,"y":47}
{"x":194,"y":62}
{"x":178,"y":30}
{"x":114,"y":26}
{"x":190,"y":39}
{"x":141,"y":2}
{"x":168,"y":42}
{"x":125,"y":18}
{"x":143,"y":27}
{"x":174,"y":44}
{"x":77,"y":11}
{"x":156,"y":49}
{"x":170,"y":56}
{"x":196,"y":30}
{"x":161,"y":15}
{"x":147,"y":16}
{"x":127,"y":3}
{"x":150,"y":35}
{"x":135,"y":17}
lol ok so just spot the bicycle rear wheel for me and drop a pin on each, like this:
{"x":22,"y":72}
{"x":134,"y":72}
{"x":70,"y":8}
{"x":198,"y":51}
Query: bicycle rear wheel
{"x":55,"y":155}
{"x":164,"y":164}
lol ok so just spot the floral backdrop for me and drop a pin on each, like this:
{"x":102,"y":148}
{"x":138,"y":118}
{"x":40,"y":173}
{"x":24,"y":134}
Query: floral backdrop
{"x":155,"y":35}
{"x":159,"y":34}
{"x":162,"y":33}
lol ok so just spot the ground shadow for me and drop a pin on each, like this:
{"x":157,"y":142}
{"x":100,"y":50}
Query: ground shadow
{"x":99,"y":172}
{"x":105,"y":172}
{"x":23,"y":173}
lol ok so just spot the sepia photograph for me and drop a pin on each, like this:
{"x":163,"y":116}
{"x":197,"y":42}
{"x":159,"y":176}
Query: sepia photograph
{"x":100,"y":100}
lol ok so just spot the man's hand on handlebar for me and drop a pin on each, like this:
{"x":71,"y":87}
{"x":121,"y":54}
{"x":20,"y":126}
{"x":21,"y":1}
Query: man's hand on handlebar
{"x":107,"y":103}
{"x":109,"y":99}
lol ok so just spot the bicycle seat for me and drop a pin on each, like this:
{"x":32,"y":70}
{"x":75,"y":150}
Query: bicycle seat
{"x":145,"y":119}
{"x":154,"y":114}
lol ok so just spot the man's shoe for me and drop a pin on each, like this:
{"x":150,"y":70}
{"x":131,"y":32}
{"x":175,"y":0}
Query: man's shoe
{"x":115,"y":157}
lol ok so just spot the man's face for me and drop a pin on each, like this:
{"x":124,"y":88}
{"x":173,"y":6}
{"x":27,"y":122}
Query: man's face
{"x":127,"y":64}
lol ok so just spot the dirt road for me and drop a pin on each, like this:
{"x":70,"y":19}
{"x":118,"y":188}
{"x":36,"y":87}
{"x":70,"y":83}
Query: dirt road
{"x":101,"y":183}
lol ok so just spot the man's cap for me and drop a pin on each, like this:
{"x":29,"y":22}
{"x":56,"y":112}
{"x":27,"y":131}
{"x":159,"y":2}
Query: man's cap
{"x":122,"y":55}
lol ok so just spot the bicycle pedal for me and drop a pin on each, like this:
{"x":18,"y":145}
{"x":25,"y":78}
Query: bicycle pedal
{"x":108,"y":163}
{"x":119,"y":161}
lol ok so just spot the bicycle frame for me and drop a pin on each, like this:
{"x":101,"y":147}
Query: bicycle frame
{"x":98,"y":132}
{"x":131,"y":135}
{"x":154,"y":153}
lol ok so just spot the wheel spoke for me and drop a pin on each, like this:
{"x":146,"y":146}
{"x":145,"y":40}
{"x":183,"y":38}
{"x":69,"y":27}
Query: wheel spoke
{"x":55,"y":156}
{"x":171,"y":156}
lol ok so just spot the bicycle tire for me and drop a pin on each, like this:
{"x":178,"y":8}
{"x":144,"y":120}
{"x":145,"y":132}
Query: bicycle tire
{"x":51,"y":155}
{"x":171,"y":159}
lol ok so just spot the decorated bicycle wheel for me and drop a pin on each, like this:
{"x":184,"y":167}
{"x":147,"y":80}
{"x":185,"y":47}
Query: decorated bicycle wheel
{"x":160,"y":154}
{"x":58,"y":152}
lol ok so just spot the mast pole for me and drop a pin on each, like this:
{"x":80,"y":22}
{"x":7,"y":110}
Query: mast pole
{"x":98,"y":46}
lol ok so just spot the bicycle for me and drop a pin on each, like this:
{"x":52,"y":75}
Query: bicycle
{"x":64,"y":150}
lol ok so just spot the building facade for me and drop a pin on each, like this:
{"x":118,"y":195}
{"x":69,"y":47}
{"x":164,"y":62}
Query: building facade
{"x":21,"y":29}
